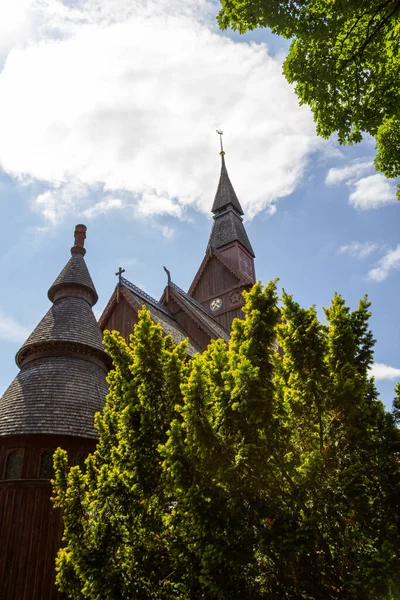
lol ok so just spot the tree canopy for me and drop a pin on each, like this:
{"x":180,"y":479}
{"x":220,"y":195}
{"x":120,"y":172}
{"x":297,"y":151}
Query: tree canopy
{"x":262,"y":470}
{"x":344,"y":60}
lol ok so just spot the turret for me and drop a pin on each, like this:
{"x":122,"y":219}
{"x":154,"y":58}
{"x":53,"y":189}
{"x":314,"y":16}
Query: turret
{"x":50,"y":403}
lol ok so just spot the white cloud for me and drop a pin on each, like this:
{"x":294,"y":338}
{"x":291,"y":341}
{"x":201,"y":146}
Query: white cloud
{"x":373,"y":191}
{"x":151,"y":203}
{"x":103,"y":207}
{"x":389,"y":262}
{"x":166,"y":231}
{"x":59,"y":201}
{"x":17,"y":24}
{"x":125,"y":97}
{"x":11,"y":331}
{"x":383,"y":372}
{"x":358,"y":249}
{"x":348,"y":173}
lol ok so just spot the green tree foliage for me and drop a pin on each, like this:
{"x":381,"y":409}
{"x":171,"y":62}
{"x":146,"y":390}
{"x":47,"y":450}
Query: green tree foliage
{"x":257,"y":471}
{"x":344,"y":60}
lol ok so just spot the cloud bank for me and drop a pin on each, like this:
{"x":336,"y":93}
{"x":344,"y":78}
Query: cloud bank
{"x":125,"y":97}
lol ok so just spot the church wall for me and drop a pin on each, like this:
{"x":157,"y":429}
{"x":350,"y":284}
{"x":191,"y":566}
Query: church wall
{"x":242,"y":260}
{"x":201,"y":338}
{"x":31,"y":528}
{"x":230,"y":254}
{"x":214,"y":280}
{"x":226,"y":319}
{"x":30,"y":538}
{"x":123,"y":318}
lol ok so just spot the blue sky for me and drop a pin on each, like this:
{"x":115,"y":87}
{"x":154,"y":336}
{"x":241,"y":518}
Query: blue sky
{"x":108,"y":112}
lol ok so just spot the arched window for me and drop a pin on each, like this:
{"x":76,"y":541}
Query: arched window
{"x":46,"y":465}
{"x":14,"y":464}
{"x":81,"y":462}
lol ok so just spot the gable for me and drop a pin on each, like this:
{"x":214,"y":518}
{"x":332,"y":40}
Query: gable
{"x":213,"y":280}
{"x":122,"y":317}
{"x":121,"y":314}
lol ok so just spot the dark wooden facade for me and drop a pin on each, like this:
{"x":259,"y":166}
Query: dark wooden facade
{"x":121,"y":315}
{"x":31,"y":528}
{"x":223,"y":275}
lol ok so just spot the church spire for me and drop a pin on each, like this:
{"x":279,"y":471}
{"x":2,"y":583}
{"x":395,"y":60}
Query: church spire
{"x":228,"y":266}
{"x":228,"y":223}
{"x":225,"y":197}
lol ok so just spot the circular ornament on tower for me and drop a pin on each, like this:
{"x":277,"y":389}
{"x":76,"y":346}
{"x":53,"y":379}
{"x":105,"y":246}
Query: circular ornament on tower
{"x":235,"y":297}
{"x":216,"y":304}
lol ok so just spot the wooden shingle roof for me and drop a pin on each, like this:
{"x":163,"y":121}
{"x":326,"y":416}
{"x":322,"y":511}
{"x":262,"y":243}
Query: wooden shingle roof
{"x":56,"y":395}
{"x":63,"y":364}
{"x":228,"y":227}
{"x":226,"y":195}
{"x":75,"y":272}
{"x":68,"y":320}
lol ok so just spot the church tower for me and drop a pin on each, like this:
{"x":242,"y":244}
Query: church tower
{"x":50,"y":403}
{"x":228,"y":266}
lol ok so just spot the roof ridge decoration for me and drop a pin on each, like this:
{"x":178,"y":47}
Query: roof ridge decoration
{"x":146,"y":297}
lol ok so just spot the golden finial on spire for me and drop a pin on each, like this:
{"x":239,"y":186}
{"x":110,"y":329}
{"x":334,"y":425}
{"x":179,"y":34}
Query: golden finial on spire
{"x":220,"y":133}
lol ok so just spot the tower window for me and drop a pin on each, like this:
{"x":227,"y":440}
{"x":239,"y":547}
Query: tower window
{"x":14,"y":464}
{"x":46,"y":465}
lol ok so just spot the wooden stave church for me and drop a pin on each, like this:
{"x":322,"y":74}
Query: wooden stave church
{"x":63,"y":363}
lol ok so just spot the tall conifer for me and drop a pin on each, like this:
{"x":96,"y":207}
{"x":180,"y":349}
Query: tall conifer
{"x":267,"y":469}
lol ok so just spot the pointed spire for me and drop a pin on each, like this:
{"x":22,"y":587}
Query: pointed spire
{"x":74,"y":279}
{"x":63,"y":363}
{"x":228,"y":223}
{"x":225,"y":197}
{"x":70,"y":319}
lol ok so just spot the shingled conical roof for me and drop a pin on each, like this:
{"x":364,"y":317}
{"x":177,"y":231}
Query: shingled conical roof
{"x":226,"y":195}
{"x":75,"y":272}
{"x":63,"y":364}
{"x":228,"y":227}
{"x":228,"y":223}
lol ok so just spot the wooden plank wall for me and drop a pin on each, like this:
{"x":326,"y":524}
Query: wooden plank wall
{"x":30,"y":538}
{"x":215,"y":279}
{"x":226,"y":318}
{"x":122,"y":319}
{"x":30,"y":528}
